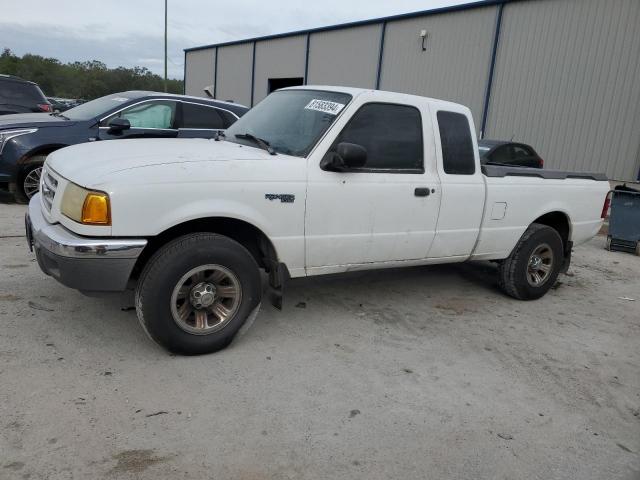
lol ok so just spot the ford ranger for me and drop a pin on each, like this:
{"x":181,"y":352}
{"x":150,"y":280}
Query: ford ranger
{"x":313,"y":180}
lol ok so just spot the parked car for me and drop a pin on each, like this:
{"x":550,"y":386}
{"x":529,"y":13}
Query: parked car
{"x":499,"y":152}
{"x":311,"y":181}
{"x":21,"y":96}
{"x":60,"y":104}
{"x":26,"y":140}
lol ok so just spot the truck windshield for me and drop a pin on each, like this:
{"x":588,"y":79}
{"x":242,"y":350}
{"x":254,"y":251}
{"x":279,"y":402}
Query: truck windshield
{"x":291,"y":121}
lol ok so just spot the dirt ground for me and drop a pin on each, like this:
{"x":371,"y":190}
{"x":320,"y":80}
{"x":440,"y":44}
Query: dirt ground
{"x":419,"y":373}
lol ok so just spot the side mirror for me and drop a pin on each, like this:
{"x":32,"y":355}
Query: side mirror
{"x":346,"y":156}
{"x":117,"y":125}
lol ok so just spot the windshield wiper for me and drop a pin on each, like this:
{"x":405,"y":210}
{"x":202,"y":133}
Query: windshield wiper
{"x":58,"y":114}
{"x":262,"y":143}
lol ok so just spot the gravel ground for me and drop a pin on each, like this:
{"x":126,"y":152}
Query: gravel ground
{"x":399,"y":374}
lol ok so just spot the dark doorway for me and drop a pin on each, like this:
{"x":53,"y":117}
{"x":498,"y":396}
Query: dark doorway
{"x":278,"y":83}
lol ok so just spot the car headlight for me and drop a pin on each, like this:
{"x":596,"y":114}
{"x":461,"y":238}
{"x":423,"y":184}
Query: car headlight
{"x":86,"y":206}
{"x":6,"y":135}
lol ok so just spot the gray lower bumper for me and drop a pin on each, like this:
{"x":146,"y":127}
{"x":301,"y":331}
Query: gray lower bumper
{"x":83,"y":263}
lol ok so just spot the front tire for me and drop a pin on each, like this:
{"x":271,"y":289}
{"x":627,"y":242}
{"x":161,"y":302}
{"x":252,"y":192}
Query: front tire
{"x":29,"y":180}
{"x":533,"y":266}
{"x":196,"y":292}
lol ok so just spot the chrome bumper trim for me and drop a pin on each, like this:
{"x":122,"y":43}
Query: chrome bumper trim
{"x":60,"y":241}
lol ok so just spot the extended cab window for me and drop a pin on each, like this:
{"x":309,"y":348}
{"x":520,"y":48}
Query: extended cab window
{"x":156,"y":114}
{"x":391,"y":134}
{"x":201,"y":116}
{"x":457,"y":145}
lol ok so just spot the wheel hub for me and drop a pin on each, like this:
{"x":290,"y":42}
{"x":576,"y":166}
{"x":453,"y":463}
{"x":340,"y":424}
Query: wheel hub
{"x":535,"y":262}
{"x":203,"y":295}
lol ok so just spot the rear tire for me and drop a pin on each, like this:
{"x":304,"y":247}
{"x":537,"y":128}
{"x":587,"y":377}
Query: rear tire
{"x":533,"y":266}
{"x":187,"y":283}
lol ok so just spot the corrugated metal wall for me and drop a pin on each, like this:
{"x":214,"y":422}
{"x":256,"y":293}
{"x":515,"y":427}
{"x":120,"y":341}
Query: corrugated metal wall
{"x":199,"y":71}
{"x":567,"y":80}
{"x":278,"y":58}
{"x":455,"y":64}
{"x":346,"y":57}
{"x":234,"y":73}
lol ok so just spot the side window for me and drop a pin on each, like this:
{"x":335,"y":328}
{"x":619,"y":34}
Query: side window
{"x":229,"y":118}
{"x":201,"y":116}
{"x":157,"y":114}
{"x":520,"y":151}
{"x":457,"y":145}
{"x":501,"y":155}
{"x":391,"y":135}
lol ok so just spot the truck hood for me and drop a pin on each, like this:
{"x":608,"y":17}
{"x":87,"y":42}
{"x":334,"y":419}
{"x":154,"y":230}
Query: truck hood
{"x":28,"y":120}
{"x":88,"y":164}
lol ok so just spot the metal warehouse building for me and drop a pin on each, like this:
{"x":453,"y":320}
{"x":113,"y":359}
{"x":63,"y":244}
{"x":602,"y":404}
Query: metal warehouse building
{"x":562,"y":75}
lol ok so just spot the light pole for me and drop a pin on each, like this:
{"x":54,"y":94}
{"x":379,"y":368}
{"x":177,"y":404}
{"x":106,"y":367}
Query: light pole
{"x":165,"y":45}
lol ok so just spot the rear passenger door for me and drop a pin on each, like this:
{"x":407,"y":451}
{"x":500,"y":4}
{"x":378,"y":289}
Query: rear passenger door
{"x":462,"y":184}
{"x":384,"y":211}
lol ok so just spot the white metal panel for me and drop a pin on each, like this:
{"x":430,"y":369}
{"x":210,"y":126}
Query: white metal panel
{"x":566,"y":81}
{"x":278,"y":58}
{"x":347,"y":57}
{"x":234,"y":73}
{"x":199,"y":71}
{"x":455,"y":63}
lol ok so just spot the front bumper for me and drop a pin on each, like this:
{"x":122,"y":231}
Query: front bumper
{"x":83,"y":263}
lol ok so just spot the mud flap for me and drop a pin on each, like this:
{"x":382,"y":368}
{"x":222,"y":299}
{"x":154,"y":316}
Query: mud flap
{"x":567,"y":257}
{"x":278,"y":275}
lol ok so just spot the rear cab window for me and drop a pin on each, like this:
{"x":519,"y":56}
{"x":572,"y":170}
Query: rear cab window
{"x":457,"y":143}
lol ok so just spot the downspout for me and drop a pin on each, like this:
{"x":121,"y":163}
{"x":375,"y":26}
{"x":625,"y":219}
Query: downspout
{"x":487,"y":95}
{"x":380,"y":54}
{"x":215,"y":75}
{"x":306,"y":59}
{"x":253,"y":71}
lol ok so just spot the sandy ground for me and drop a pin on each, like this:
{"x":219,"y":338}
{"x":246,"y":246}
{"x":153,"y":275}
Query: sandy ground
{"x":400,"y":374}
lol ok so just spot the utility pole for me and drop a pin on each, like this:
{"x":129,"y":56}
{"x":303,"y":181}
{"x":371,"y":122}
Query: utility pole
{"x":165,"y":45}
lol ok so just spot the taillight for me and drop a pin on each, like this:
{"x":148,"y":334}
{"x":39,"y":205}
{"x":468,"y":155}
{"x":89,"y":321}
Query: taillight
{"x":45,"y":107}
{"x":541,"y":163}
{"x":605,"y":207}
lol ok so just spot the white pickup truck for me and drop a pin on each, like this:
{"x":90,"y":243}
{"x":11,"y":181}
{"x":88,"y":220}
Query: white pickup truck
{"x":313,"y":180}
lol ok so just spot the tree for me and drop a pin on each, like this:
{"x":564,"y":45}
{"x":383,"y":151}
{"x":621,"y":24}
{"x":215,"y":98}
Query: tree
{"x":88,"y":80}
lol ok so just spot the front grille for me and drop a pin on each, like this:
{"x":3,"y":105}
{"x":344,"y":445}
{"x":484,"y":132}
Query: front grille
{"x":48,"y":187}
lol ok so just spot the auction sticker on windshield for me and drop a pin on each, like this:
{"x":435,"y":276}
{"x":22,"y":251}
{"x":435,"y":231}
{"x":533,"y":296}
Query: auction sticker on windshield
{"x":325,"y":106}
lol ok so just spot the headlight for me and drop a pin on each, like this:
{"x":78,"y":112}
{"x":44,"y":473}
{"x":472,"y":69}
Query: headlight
{"x":86,"y":206}
{"x":6,"y":135}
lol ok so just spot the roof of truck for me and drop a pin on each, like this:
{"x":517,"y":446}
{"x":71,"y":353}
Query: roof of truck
{"x":353,"y":91}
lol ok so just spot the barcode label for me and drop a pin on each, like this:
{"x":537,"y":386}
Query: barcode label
{"x":325,"y":106}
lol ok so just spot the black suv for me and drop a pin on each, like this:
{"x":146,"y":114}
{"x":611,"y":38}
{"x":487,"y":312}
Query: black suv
{"x":26,"y":140}
{"x":20,"y":96}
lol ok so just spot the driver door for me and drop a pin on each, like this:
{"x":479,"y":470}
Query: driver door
{"x":148,"y":119}
{"x":385,"y":211}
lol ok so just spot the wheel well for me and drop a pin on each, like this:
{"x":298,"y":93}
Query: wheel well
{"x":43,"y":150}
{"x":559,"y":222}
{"x":246,"y":234}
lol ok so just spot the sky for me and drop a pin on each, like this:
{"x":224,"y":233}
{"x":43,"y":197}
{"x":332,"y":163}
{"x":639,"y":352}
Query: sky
{"x":130,"y":32}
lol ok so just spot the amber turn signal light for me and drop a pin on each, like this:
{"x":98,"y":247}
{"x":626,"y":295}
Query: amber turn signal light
{"x":96,"y":210}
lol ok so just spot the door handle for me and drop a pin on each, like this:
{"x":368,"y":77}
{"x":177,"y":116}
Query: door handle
{"x":421,"y":192}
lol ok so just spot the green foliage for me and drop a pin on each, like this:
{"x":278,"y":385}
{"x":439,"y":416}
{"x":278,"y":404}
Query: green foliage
{"x":86,"y":80}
